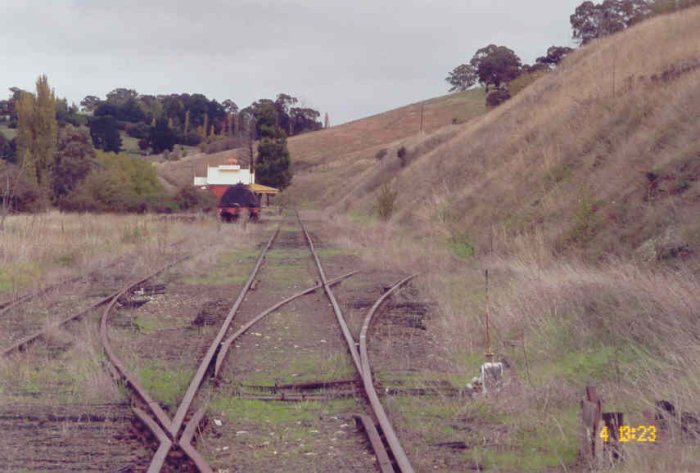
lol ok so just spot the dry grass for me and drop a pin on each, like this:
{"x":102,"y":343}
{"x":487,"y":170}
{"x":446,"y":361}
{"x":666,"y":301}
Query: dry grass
{"x":65,"y":369}
{"x":561,"y":323}
{"x":39,"y":249}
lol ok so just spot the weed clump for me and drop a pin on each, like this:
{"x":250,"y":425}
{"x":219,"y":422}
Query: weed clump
{"x":386,"y":201}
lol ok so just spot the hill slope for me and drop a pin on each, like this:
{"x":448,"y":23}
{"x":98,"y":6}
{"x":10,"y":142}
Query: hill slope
{"x":602,"y":155}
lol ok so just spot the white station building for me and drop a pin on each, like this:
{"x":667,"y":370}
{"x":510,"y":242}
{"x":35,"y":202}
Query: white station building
{"x":225,"y":175}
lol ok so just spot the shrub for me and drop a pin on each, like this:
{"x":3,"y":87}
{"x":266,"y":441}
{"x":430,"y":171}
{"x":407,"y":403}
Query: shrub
{"x":386,"y":201}
{"x":380,"y":154}
{"x":402,"y":154}
{"x":24,"y":194}
{"x":190,"y":198}
{"x":497,"y":97}
{"x":120,"y":183}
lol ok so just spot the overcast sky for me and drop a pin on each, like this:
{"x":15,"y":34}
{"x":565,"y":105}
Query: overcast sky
{"x":350,"y":58}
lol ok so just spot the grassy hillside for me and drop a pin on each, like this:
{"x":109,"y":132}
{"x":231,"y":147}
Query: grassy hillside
{"x":326,"y":146}
{"x":599,"y":156}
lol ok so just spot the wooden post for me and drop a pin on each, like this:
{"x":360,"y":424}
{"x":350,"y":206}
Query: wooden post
{"x":612,"y":448}
{"x":590,"y":443}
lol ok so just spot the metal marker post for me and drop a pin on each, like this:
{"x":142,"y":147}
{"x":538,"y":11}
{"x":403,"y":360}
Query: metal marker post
{"x":488,"y":354}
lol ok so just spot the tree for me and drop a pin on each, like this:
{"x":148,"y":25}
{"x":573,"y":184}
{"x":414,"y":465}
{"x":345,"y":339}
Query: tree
{"x":161,"y":137}
{"x":229,"y":106}
{"x":72,"y":162}
{"x":462,"y":77}
{"x":555,"y":55}
{"x":283,"y":105}
{"x":591,"y":21}
{"x":265,"y":115}
{"x":495,"y":65}
{"x":90,"y":103}
{"x":272,"y":167}
{"x":68,"y":114}
{"x":36,"y":131}
{"x":8,"y":149}
{"x":120,"y":96}
{"x":304,"y":119}
{"x":105,"y":134}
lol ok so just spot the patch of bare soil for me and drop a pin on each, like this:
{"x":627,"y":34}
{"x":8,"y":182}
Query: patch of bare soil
{"x":99,"y":437}
{"x":253,"y":426}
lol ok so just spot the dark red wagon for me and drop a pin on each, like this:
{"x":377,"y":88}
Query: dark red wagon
{"x":238,"y":200}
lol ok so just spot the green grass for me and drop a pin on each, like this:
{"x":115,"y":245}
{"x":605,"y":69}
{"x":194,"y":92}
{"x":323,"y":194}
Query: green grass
{"x":282,"y":275}
{"x":362,"y":217}
{"x":461,"y":246}
{"x":18,"y":275}
{"x":232,"y":267}
{"x":167,"y":386}
{"x":67,"y":377}
{"x":9,"y":133}
{"x":538,"y":441}
{"x":151,"y":323}
{"x":252,"y":410}
{"x":301,"y":368}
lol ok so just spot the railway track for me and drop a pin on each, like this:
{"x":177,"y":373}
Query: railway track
{"x":12,"y":305}
{"x":176,"y":434}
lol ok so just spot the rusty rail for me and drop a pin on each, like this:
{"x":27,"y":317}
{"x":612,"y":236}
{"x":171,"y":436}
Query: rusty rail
{"x":172,"y":427}
{"x":352,"y":345}
{"x":363,"y":367}
{"x":197,"y":379}
{"x":117,"y":365}
{"x":389,"y":434}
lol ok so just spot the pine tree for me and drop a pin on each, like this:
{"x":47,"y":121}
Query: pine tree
{"x":272,"y":167}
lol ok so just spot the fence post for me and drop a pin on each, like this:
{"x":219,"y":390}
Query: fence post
{"x":590,"y":443}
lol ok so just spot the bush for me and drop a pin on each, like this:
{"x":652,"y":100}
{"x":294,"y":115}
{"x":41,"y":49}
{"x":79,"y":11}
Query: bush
{"x":120,"y":183}
{"x":380,"y":154}
{"x":497,"y":97}
{"x":386,"y":201}
{"x":190,"y":198}
{"x":24,"y":194}
{"x":402,"y":154}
